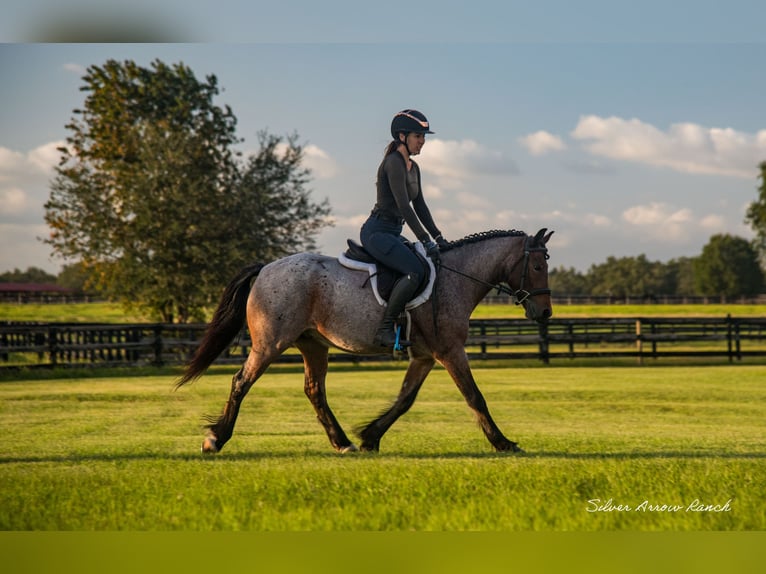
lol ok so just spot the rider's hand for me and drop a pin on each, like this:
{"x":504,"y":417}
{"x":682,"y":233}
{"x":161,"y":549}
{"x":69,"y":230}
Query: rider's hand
{"x":441,"y":242}
{"x":432,"y":250}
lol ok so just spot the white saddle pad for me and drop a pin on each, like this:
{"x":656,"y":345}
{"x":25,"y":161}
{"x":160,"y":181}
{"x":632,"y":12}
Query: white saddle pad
{"x":372,"y":269}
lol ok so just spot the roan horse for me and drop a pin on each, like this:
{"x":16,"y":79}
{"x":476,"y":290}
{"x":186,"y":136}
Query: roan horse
{"x":312,"y":302}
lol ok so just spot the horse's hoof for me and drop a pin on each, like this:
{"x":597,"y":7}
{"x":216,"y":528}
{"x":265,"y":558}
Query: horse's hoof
{"x":347,"y":449}
{"x":209,"y":446}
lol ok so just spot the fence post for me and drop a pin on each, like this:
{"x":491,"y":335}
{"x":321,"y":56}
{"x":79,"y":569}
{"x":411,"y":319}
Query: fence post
{"x":543,"y":332}
{"x":157,"y":346}
{"x":728,"y":338}
{"x":639,"y":342}
{"x":53,"y":345}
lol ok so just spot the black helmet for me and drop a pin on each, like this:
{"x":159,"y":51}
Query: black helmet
{"x":409,"y":121}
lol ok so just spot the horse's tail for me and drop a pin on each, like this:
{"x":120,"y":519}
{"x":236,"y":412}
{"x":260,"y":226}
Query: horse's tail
{"x":225,"y":325}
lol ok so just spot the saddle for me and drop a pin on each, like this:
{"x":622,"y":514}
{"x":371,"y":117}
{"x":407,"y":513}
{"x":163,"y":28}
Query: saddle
{"x":383,"y":278}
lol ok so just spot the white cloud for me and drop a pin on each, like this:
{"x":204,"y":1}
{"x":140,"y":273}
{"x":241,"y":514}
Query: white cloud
{"x":78,"y":69}
{"x":432,"y":191}
{"x":654,"y":214}
{"x":455,"y":161}
{"x":24,"y":181}
{"x":684,"y":147}
{"x":11,"y":162}
{"x":319,"y":162}
{"x":713,"y":223}
{"x":37,"y":162}
{"x":472,"y":200}
{"x":661,"y":219}
{"x":12,"y":201}
{"x":45,"y":157}
{"x":542,"y":142}
{"x":351,"y":221}
{"x":596,"y":220}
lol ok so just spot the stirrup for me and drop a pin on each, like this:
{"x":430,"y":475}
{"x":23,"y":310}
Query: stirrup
{"x":399,"y":344}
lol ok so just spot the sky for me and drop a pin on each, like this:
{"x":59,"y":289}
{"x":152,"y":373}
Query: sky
{"x":627,"y":129}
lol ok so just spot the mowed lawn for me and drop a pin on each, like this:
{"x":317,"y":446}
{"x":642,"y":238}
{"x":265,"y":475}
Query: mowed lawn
{"x":626,"y":448}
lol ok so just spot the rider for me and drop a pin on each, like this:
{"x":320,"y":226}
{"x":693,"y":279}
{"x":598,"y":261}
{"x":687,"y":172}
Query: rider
{"x":399,"y":200}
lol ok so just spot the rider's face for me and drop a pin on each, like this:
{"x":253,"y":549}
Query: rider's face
{"x":415,"y":142}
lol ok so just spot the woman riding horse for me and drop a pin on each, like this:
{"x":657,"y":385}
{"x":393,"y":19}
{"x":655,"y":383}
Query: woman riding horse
{"x":399,"y":200}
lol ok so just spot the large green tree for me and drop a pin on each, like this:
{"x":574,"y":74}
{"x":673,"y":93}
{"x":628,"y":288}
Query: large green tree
{"x":756,"y":215}
{"x":628,"y":277}
{"x":728,"y":266}
{"x":152,"y":198}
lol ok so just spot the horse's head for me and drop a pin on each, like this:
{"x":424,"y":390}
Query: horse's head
{"x":530,"y":273}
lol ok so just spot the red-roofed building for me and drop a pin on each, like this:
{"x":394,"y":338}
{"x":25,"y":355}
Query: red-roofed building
{"x":34,"y":292}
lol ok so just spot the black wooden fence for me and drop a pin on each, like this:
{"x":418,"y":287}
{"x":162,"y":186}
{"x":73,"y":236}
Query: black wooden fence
{"x":68,"y":344}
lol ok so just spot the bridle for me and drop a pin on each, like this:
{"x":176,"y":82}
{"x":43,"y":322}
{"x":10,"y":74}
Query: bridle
{"x":520,"y":295}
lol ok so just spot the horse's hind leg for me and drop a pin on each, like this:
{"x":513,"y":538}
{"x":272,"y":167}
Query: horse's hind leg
{"x":221,"y":429}
{"x":417,"y":372}
{"x":315,"y":369}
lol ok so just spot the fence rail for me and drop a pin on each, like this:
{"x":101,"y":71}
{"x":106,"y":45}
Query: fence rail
{"x":81,"y":344}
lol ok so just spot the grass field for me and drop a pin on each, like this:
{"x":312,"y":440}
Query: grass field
{"x":121,"y":453}
{"x":113,"y":313}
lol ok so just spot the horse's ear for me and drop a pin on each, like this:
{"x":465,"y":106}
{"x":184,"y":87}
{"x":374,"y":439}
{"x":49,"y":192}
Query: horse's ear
{"x":539,"y":236}
{"x":547,"y":237}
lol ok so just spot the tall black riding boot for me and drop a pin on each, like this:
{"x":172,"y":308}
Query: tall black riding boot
{"x":402,"y":292}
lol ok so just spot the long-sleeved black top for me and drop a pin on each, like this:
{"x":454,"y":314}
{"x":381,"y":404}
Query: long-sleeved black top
{"x":400,"y":195}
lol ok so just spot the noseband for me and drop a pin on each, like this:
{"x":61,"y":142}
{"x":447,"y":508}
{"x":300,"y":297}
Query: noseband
{"x":520,"y":294}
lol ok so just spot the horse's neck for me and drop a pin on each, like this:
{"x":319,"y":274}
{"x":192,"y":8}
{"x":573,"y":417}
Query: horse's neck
{"x":485,"y":261}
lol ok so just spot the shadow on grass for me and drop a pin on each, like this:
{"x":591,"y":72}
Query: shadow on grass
{"x":316,"y":456}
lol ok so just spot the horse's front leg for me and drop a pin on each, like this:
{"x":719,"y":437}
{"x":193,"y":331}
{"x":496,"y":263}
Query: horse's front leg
{"x":417,"y":371}
{"x":456,"y":363}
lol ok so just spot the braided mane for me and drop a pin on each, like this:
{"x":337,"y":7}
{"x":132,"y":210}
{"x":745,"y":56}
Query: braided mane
{"x":477,"y":237}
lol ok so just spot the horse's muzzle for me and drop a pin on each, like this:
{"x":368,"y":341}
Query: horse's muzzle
{"x":537,"y":314}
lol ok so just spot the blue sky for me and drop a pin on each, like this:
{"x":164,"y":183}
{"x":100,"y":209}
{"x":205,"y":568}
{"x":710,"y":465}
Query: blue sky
{"x":626,"y":130}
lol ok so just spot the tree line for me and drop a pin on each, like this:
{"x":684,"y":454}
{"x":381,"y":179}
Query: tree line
{"x":727,"y":266}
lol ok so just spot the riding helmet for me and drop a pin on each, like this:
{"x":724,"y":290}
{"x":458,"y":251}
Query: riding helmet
{"x":409,"y":121}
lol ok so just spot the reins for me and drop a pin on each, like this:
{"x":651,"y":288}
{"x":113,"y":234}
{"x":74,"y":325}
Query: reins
{"x":520,"y":294}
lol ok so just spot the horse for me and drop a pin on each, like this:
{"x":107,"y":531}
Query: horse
{"x":312,"y":302}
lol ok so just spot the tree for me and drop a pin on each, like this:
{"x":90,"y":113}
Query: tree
{"x":728,"y":266}
{"x":31,"y":275}
{"x":756,"y":215}
{"x":73,"y":276}
{"x":565,"y":281}
{"x":627,"y":277}
{"x":153,"y":200}
{"x":679,"y":274}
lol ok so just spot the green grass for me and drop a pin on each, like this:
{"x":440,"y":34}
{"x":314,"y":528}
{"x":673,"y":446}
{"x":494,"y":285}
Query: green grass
{"x":114,"y":313}
{"x":619,"y":310}
{"x":70,"y":313}
{"x":121,"y":453}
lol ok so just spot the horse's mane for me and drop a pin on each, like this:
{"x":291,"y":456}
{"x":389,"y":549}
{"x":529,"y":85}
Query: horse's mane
{"x":476,"y":237}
